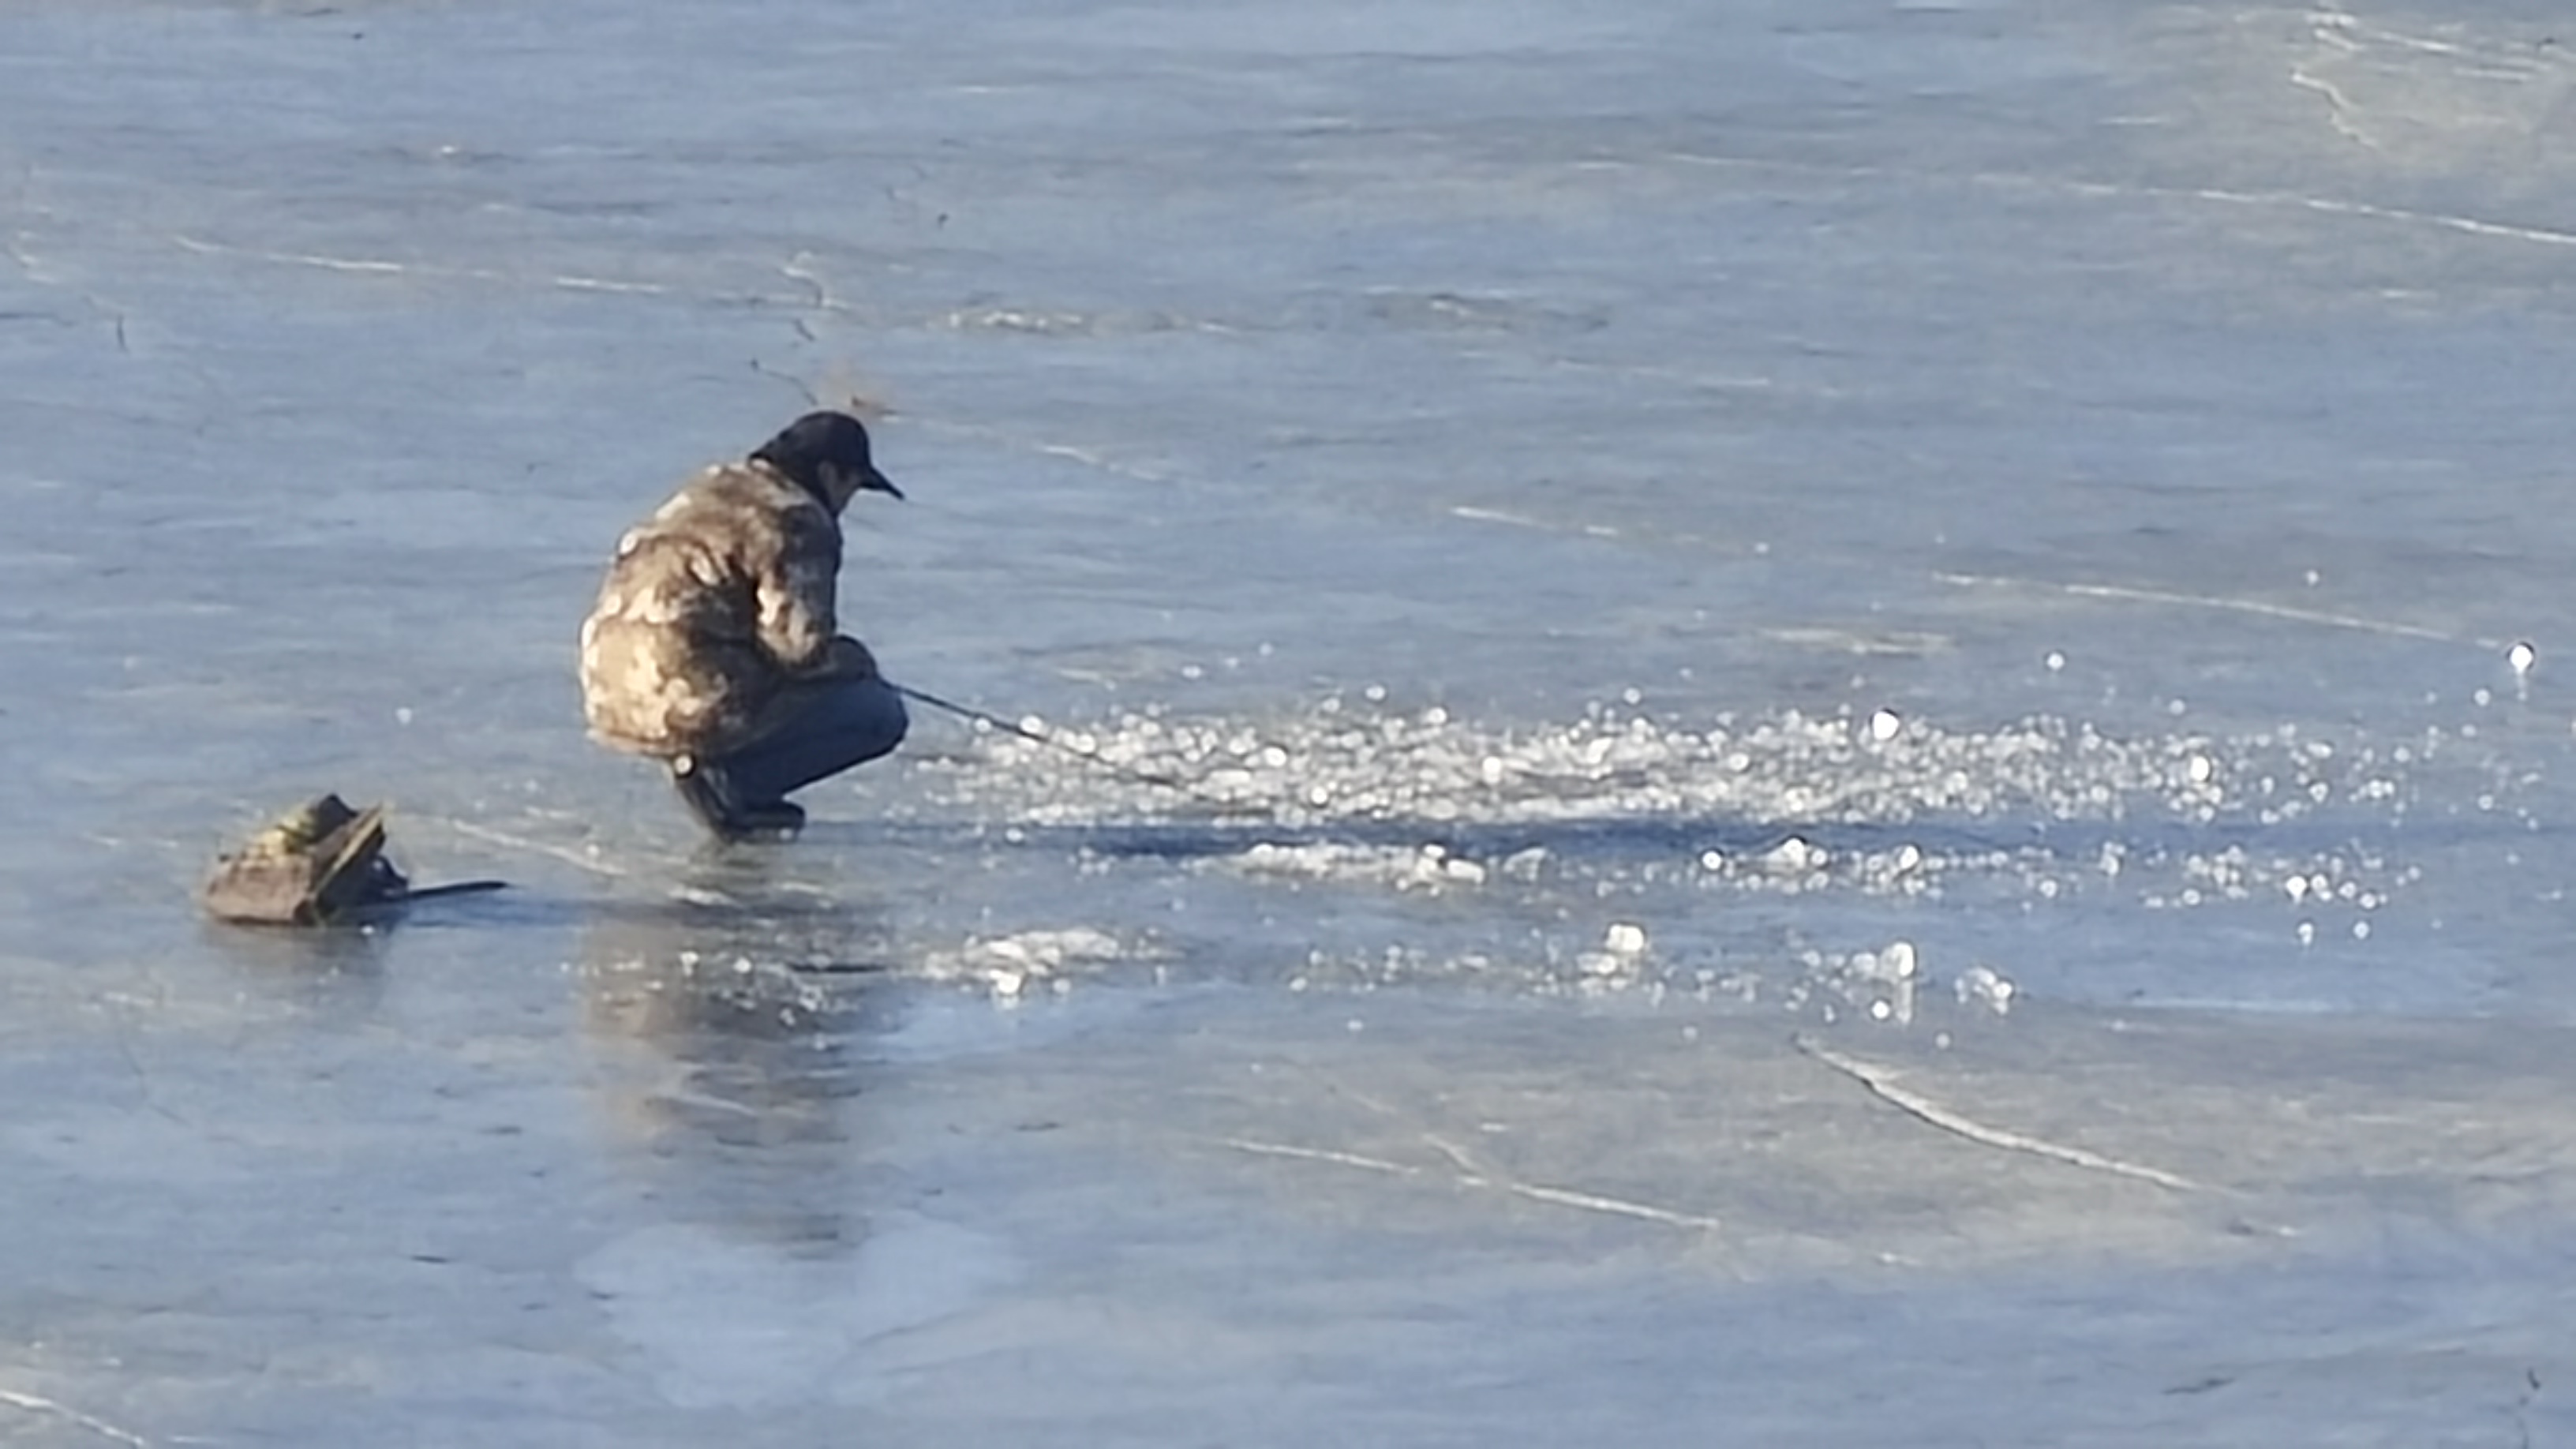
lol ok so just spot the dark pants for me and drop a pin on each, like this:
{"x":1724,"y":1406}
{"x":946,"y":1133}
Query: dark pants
{"x":819,"y":730}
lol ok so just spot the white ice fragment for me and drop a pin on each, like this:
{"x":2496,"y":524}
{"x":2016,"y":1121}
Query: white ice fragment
{"x":2315,"y":578}
{"x":1885,"y":726}
{"x":2482,"y":696}
{"x":1712,"y":860}
{"x":2055,"y":661}
{"x":2202,"y":771}
{"x":1907,"y":858}
{"x":2307,"y":933}
{"x":1897,"y":962}
{"x":403,"y":715}
{"x":2177,"y":708}
{"x":1033,"y":724}
{"x":2297,"y":886}
{"x":1006,"y":984}
{"x":1491,"y":770}
{"x":2361,"y":930}
{"x":1624,"y":939}
{"x":1374,"y":694}
{"x":1984,"y":986}
{"x":1599,"y":963}
{"x":2521,"y":656}
{"x":1794,"y":856}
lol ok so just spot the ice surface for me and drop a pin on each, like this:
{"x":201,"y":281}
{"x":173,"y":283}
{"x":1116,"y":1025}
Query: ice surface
{"x":1817,"y":722}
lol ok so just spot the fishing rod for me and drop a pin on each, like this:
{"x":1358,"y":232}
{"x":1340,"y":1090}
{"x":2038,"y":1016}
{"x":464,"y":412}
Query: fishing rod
{"x":1042,"y":737}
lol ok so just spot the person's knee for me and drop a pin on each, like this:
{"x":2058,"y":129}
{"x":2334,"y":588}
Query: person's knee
{"x":890,"y":721}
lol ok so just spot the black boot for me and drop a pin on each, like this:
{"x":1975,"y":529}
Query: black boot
{"x":709,"y":795}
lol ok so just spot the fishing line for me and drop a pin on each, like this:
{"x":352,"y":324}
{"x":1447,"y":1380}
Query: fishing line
{"x":1041,"y":737}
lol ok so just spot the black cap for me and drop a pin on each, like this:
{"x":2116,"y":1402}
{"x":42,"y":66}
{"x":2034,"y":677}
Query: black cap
{"x":818,"y":447}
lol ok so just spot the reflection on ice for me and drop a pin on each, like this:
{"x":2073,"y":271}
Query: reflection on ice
{"x":728,"y":1326}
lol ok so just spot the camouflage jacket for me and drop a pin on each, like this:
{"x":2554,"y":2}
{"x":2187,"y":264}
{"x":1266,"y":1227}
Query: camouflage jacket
{"x":722,"y":596}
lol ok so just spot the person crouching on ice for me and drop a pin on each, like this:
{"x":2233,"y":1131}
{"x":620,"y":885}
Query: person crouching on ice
{"x":715,"y":646}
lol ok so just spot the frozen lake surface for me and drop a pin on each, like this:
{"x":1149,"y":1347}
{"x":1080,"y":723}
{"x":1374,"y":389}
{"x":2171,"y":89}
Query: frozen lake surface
{"x":1855,"y":764}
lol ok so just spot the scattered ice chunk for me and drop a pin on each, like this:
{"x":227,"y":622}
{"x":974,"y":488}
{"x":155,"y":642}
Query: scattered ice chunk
{"x":2307,"y":933}
{"x":2521,"y":656}
{"x":1984,"y":986}
{"x":2055,"y":661}
{"x":1625,"y":939}
{"x":1794,"y":856}
{"x":1885,"y":726}
{"x":1005,"y":966}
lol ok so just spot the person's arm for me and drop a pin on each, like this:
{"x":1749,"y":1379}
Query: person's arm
{"x":797,"y":599}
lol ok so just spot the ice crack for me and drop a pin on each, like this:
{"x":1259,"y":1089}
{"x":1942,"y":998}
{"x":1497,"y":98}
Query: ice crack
{"x":1882,"y":1083}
